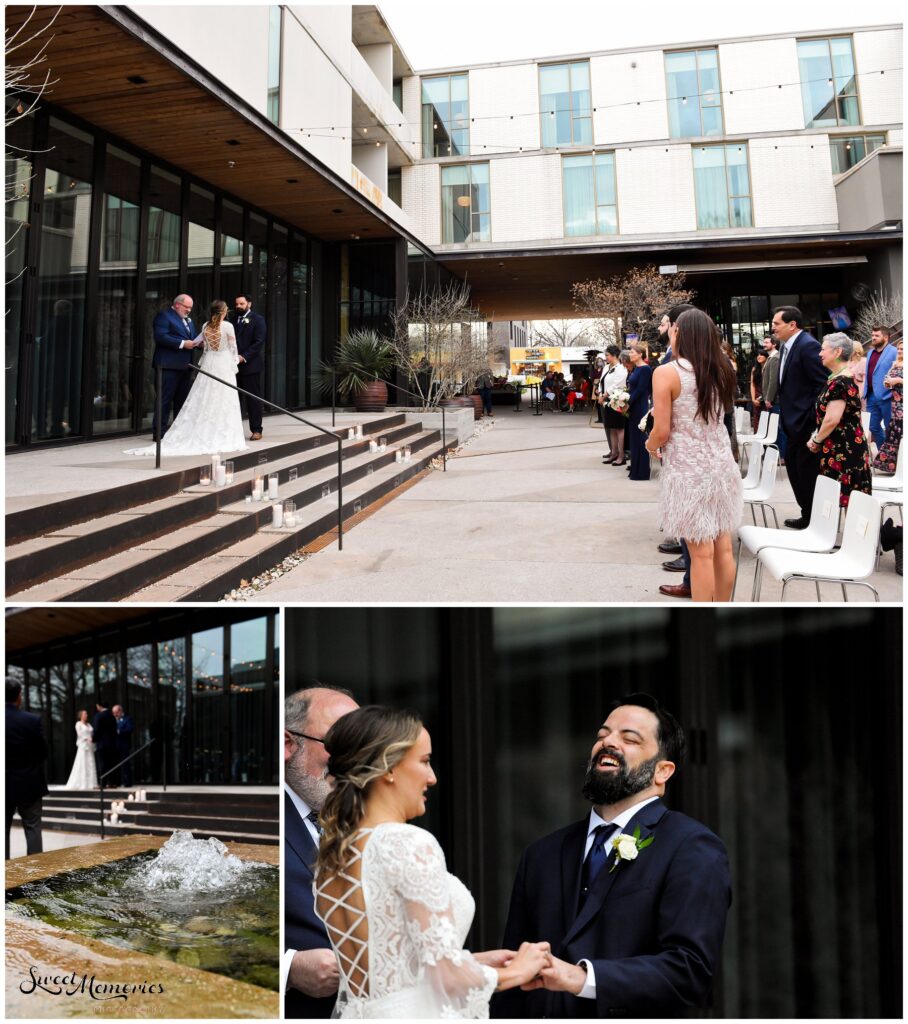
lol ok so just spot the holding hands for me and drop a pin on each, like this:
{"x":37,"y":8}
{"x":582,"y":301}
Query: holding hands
{"x":558,"y":976}
{"x":519,"y":968}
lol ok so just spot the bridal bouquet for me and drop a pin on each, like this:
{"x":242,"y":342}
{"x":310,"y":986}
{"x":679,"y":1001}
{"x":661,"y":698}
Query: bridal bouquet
{"x":620,"y":401}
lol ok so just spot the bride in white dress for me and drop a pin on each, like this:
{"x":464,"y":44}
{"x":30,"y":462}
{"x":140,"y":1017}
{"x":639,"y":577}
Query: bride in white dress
{"x":84,"y":774}
{"x":210,"y":420}
{"x":395,"y":917}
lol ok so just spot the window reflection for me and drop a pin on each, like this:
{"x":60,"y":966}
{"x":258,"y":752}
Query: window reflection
{"x":829,"y":91}
{"x":171,"y":732}
{"x":694,"y":96}
{"x":445,"y":116}
{"x":208,"y":720}
{"x":565,"y":104}
{"x":19,"y":191}
{"x":248,"y":685}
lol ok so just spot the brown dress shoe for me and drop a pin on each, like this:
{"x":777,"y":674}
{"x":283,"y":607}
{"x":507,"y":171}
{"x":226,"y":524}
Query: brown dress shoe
{"x":255,"y":437}
{"x":674,"y":590}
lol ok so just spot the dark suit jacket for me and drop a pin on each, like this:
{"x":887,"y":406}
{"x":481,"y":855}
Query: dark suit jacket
{"x":26,"y":752}
{"x":105,"y":731}
{"x":652,"y":929}
{"x":169,"y":331}
{"x":125,"y":729}
{"x":250,"y":340}
{"x":802,"y":380}
{"x":302,"y":929}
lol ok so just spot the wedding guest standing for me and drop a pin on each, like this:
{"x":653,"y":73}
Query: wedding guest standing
{"x":174,"y":335}
{"x":839,"y":438}
{"x":26,"y":751}
{"x":613,"y":381}
{"x":640,"y":388}
{"x":309,"y":974}
{"x":251,"y":332}
{"x":702,"y":492}
{"x":887,"y":456}
{"x":124,"y":743}
{"x":878,"y":397}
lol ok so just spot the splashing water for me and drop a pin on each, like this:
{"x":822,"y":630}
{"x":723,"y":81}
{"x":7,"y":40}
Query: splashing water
{"x":192,"y":865}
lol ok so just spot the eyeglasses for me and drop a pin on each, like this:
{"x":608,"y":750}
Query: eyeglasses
{"x":315,"y":739}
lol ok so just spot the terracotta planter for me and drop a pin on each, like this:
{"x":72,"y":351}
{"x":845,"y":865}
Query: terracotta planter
{"x":477,"y":406}
{"x":372,"y":398}
{"x":452,"y":403}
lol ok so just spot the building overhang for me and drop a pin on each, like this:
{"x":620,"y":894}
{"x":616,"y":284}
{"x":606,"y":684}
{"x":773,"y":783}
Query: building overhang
{"x":535,"y":283}
{"x":113,"y":70}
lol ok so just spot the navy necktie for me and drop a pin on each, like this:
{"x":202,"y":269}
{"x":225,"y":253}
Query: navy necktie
{"x":313,"y":817}
{"x":595,"y":859}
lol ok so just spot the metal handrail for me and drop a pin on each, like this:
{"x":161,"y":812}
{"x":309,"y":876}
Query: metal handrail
{"x":280,"y":408}
{"x":101,"y":778}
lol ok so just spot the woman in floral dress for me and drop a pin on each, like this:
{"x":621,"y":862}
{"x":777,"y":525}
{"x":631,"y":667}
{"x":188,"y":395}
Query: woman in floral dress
{"x":840,"y":437}
{"x":886,"y":457}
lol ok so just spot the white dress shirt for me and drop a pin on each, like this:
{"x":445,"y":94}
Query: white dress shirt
{"x":589,"y":989}
{"x":304,"y":811}
{"x":785,"y":351}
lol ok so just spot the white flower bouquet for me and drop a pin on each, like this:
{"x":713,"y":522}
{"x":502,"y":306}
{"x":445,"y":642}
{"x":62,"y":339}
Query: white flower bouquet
{"x":620,"y":401}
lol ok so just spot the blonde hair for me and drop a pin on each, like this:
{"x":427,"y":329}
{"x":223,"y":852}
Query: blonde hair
{"x":212,"y":329}
{"x":363,"y":746}
{"x":857,"y":352}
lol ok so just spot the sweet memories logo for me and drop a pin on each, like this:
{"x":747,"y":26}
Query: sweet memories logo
{"x":81,"y":984}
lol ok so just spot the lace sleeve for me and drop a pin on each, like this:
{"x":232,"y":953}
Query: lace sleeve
{"x":459,"y":986}
{"x":231,"y":341}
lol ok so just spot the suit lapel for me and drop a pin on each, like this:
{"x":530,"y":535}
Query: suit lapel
{"x":571,"y":861}
{"x":647,"y":818}
{"x":297,"y":835}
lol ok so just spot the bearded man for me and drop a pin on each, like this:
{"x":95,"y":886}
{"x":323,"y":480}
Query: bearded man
{"x":633,"y":898}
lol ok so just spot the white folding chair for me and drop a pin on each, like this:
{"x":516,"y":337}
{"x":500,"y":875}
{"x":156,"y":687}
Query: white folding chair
{"x":896,"y":482}
{"x":767,"y":440}
{"x":743,"y":423}
{"x":761,"y":494}
{"x":753,"y":473}
{"x":820,"y":534}
{"x":851,"y":564}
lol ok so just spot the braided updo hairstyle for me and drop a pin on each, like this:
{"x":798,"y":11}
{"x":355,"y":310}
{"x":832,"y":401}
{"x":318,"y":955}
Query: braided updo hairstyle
{"x":363,"y":746}
{"x":212,"y":329}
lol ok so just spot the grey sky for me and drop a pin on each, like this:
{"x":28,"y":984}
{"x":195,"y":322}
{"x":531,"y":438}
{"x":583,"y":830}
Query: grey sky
{"x":444,"y":33}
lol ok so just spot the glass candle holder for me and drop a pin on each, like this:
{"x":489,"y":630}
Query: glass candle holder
{"x":292,"y":474}
{"x":351,"y":434}
{"x":290,"y":513}
{"x":272,"y":487}
{"x":228,"y":473}
{"x":373,"y":445}
{"x":277,"y":514}
{"x":205,"y":476}
{"x":359,"y":431}
{"x":257,"y":488}
{"x":220,"y":475}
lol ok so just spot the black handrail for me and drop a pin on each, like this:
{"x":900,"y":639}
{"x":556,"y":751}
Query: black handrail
{"x":287,"y":412}
{"x":101,"y":778}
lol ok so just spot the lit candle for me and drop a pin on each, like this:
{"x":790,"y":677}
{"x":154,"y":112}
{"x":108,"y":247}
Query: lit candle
{"x":398,"y":455}
{"x":373,"y":445}
{"x":277,"y":514}
{"x":272,"y":487}
{"x":228,"y":472}
{"x":114,"y":817}
{"x":220,"y":475}
{"x":205,"y":476}
{"x":257,"y":488}
{"x":351,"y":434}
{"x":359,"y":431}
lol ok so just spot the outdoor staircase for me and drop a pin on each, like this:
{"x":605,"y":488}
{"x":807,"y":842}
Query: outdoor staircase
{"x":240,"y":817}
{"x":170,"y":539}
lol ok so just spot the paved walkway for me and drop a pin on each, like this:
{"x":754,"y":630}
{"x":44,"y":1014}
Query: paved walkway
{"x":526,"y":513}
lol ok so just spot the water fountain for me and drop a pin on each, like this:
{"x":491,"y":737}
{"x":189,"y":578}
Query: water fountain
{"x":191,"y":915}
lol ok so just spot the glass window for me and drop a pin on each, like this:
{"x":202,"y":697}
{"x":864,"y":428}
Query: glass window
{"x":62,"y":274}
{"x":566,"y":110}
{"x":722,"y":186}
{"x":61,"y":741}
{"x":231,"y":254}
{"x":138,"y":705}
{"x":694,"y":94}
{"x":590,"y":197}
{"x":445,"y":116}
{"x":394,"y":187}
{"x":466,"y":203}
{"x":299,"y":305}
{"x":274,"y":64}
{"x":200,"y":256}
{"x":276,"y":349}
{"x":848,"y":150}
{"x":171,"y":729}
{"x":112,"y":401}
{"x":829,"y":91}
{"x":208,"y":744}
{"x":248,"y":718}
{"x":162,"y":280}
{"x":397,"y":93}
{"x":19,"y":192}
{"x":257,"y":255}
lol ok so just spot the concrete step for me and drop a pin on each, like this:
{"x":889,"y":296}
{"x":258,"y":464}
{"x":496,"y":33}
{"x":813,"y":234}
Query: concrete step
{"x":130,"y":828}
{"x":233,"y":527}
{"x":67,"y":549}
{"x":166,"y":818}
{"x":211,"y":577}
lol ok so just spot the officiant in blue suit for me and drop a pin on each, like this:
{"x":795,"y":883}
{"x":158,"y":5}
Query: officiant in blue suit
{"x":174,"y":334}
{"x":633,"y":898}
{"x":309,"y":975}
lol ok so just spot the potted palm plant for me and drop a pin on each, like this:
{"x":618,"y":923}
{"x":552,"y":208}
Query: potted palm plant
{"x":361,"y":359}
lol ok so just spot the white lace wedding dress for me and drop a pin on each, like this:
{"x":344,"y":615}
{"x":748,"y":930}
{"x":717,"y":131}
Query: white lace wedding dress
{"x":84,"y":774}
{"x":397,"y":923}
{"x":210,"y":420}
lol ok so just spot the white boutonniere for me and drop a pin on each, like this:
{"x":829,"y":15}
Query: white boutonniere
{"x":628,"y":847}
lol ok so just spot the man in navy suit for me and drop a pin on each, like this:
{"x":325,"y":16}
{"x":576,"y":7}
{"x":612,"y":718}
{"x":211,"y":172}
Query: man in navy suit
{"x":877,"y":396}
{"x":174,"y":335}
{"x":309,"y":974}
{"x":26,"y":751}
{"x":636,"y":924}
{"x":125,"y":728}
{"x":801,"y":379}
{"x":251,"y":332}
{"x":105,"y":736}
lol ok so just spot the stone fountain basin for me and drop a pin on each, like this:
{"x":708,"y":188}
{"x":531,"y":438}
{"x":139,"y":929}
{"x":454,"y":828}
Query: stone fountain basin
{"x":32,"y":945}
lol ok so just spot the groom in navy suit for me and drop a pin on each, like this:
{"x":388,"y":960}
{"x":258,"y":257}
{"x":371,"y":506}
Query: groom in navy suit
{"x":251,"y":332}
{"x":309,"y":975}
{"x":636,"y":923}
{"x":174,"y":335}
